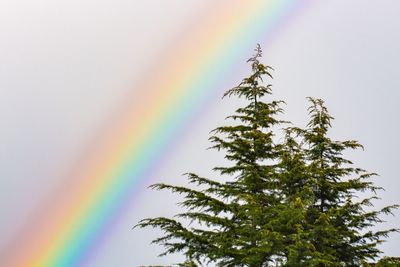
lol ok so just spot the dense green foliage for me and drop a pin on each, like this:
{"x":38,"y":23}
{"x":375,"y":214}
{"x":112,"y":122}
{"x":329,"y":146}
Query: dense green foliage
{"x":289,"y":201}
{"x":389,"y":262}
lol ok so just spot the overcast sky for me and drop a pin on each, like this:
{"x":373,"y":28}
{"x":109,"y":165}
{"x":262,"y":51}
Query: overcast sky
{"x":66,"y":65}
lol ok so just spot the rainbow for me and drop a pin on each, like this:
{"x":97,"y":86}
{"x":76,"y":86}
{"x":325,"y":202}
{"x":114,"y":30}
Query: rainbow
{"x":82,"y":213}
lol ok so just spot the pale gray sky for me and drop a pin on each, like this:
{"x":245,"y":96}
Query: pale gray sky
{"x":65,"y":66}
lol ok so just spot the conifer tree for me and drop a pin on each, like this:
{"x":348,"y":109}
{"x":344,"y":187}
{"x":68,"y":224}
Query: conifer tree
{"x":338,"y":222}
{"x":237,"y":220}
{"x":290,"y":203}
{"x":332,"y":226}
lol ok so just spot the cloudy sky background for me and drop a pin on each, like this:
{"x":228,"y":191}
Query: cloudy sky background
{"x":66,"y":66}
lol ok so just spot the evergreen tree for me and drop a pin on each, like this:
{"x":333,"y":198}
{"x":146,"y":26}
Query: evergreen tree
{"x":338,"y":222}
{"x":289,"y":203}
{"x":237,"y":220}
